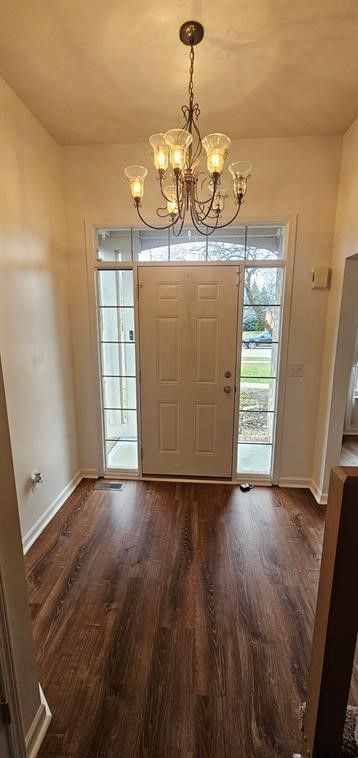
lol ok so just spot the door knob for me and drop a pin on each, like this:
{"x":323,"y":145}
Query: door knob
{"x":227,"y":389}
{"x":227,"y":375}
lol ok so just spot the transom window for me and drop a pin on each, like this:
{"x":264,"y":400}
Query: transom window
{"x":241,"y":243}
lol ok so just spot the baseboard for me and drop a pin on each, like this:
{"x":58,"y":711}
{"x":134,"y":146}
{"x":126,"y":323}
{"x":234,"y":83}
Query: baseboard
{"x":89,"y":473}
{"x":319,"y":496}
{"x":309,"y":484}
{"x":44,"y":520}
{"x":296,"y":482}
{"x":46,"y":517}
{"x":38,"y":728}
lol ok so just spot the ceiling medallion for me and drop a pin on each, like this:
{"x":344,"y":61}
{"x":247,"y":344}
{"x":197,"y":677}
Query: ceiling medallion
{"x":188,"y":192}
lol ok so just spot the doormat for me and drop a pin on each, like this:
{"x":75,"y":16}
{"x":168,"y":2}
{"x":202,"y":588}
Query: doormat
{"x":103,"y":485}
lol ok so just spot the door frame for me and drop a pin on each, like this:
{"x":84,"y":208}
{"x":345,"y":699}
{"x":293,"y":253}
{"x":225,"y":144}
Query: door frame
{"x":93,"y":266}
{"x":14,"y":730}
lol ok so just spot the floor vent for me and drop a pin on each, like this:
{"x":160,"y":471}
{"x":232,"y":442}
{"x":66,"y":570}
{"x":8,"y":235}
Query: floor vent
{"x":101,"y":484}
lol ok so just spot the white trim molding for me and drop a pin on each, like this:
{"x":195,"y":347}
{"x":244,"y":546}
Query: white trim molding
{"x":309,"y":484}
{"x":298,"y":482}
{"x":38,"y":527}
{"x":91,"y":224}
{"x":90,"y":473}
{"x":15,"y":730}
{"x":319,"y":496}
{"x":38,"y":728}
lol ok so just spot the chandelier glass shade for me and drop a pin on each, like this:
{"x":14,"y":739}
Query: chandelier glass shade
{"x":188,"y":193}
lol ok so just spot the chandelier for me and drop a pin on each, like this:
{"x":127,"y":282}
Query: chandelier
{"x":187,"y":191}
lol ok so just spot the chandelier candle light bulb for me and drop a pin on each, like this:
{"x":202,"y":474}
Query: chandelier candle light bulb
{"x":216,"y":147}
{"x":178,"y":151}
{"x":160,"y":151}
{"x":136,"y":176}
{"x":178,"y":141}
{"x":241,"y":172}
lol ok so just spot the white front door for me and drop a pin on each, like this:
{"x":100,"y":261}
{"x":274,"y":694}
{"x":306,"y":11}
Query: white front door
{"x":188,"y":340}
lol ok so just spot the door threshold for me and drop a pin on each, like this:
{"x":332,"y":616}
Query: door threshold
{"x":258,"y":480}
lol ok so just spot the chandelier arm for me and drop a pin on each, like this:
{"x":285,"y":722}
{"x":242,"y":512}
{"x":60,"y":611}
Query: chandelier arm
{"x":205,"y":202}
{"x":162,"y":190}
{"x":239,"y":204}
{"x":180,"y":203}
{"x":197,"y":203}
{"x":202,"y":218}
{"x":163,"y":215}
{"x":202,"y":202}
{"x":177,"y":234}
{"x":151,"y":226}
{"x":185,"y":111}
{"x":222,"y":226}
{"x":197,"y":227}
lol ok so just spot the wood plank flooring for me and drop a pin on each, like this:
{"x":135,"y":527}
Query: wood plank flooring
{"x":349,"y":452}
{"x":175,"y":620}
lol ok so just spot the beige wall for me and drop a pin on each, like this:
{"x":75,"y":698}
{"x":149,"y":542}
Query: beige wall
{"x":34,"y":324}
{"x":291,"y":176}
{"x":334,"y":381}
{"x":13,"y":579}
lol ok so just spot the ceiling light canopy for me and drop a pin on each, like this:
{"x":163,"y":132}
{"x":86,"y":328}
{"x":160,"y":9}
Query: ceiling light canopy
{"x":191,"y":193}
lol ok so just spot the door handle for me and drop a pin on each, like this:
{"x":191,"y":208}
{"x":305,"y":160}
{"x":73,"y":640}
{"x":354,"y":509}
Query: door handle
{"x":227,"y":389}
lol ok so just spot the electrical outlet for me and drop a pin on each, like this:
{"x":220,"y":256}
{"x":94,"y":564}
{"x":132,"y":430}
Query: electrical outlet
{"x":295,"y":370}
{"x":36,"y":478}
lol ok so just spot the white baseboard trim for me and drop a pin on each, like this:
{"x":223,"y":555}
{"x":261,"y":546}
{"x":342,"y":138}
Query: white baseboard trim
{"x":319,"y":496}
{"x":89,"y":473}
{"x":38,"y":728}
{"x":297,"y":482}
{"x":309,"y":484}
{"x":46,"y":517}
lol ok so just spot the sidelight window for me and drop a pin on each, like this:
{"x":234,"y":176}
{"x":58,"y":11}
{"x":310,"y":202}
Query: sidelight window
{"x":118,"y":368}
{"x":260,"y":338}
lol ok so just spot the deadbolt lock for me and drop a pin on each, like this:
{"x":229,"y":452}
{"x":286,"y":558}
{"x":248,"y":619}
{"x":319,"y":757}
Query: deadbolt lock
{"x":227,"y":375}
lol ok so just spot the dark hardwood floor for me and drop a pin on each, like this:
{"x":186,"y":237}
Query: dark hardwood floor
{"x":349,"y":452}
{"x":175,"y":620}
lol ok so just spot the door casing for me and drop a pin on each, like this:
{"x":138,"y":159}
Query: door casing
{"x":91,"y":226}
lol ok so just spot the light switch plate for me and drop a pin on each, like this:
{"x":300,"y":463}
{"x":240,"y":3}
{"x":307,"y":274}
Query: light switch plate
{"x":295,"y":370}
{"x":321,"y":278}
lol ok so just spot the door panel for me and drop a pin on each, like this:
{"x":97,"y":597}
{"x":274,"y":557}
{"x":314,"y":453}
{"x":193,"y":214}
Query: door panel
{"x":187,"y":317}
{"x":206,"y":350}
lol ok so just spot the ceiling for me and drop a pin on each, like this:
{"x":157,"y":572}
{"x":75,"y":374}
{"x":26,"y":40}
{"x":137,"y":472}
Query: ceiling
{"x":103,"y":71}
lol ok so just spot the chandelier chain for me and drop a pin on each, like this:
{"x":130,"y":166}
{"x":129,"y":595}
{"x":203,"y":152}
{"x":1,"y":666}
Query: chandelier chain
{"x":191,"y":78}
